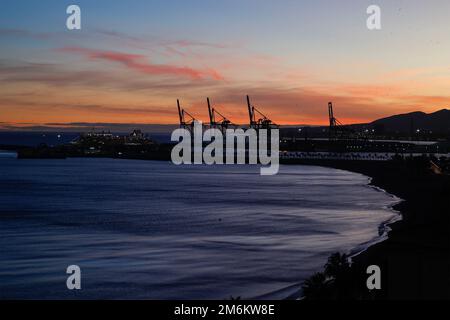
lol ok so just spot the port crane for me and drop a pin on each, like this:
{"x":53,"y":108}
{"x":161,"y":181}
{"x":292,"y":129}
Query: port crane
{"x":216,"y":119}
{"x":263,"y":122}
{"x":183,"y":114}
{"x":336,"y":128}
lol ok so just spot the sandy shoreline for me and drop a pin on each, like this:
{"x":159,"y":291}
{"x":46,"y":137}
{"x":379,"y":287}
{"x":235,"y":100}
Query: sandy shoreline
{"x":415,"y":258}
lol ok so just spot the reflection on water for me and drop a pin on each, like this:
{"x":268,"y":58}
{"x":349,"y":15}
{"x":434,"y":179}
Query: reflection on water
{"x":7,"y":154}
{"x":151,"y":230}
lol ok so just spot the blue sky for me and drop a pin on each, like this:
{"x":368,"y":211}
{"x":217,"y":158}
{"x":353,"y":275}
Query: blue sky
{"x":290,"y":53}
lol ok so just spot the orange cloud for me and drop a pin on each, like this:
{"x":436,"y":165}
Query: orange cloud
{"x":137,"y":62}
{"x":40,"y":93}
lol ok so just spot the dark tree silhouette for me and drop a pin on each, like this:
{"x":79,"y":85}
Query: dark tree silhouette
{"x":333,"y":283}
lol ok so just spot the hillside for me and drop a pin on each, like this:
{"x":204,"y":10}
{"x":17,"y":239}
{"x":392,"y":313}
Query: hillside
{"x":437,"y":122}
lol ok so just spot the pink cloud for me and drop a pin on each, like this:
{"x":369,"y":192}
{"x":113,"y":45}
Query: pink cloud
{"x":190,"y":43}
{"x":137,"y":62}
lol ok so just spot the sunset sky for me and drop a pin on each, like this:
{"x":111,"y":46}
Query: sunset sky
{"x":133,"y":59}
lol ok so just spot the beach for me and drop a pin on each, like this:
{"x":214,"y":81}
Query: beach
{"x":413,"y":252}
{"x":415,"y":258}
{"x":153,"y":230}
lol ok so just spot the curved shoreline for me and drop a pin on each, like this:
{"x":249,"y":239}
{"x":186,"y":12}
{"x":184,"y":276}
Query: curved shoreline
{"x":383,"y":227}
{"x":295,"y":291}
{"x":414,"y":258}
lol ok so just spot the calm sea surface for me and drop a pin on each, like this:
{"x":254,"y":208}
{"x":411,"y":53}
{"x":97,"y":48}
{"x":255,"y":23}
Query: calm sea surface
{"x":152,"y":230}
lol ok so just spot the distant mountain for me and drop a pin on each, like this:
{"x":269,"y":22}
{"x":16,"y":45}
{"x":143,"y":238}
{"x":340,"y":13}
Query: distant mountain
{"x":437,"y":122}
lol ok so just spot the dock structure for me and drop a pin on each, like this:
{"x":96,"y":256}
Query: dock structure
{"x":186,"y":119}
{"x":338,"y":137}
{"x":257,"y":120}
{"x":216,"y":119}
{"x":263,"y":122}
{"x":337,"y":130}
